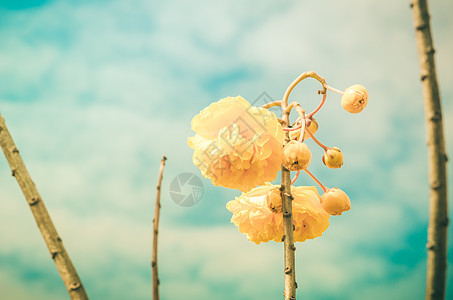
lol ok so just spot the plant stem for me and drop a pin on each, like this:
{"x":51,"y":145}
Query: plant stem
{"x":288,"y":234}
{"x":437,"y":157}
{"x":334,"y":89}
{"x":156,"y":231}
{"x":287,"y":207}
{"x":54,"y":243}
{"x":299,"y":79}
{"x":324,"y":96}
{"x":271,"y":104}
{"x":293,"y":128}
{"x":316,"y":140}
{"x":295,"y":177}
{"x":316,"y":180}
{"x":303,"y":122}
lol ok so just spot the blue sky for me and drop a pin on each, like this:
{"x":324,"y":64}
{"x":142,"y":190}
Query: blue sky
{"x":94,"y":92}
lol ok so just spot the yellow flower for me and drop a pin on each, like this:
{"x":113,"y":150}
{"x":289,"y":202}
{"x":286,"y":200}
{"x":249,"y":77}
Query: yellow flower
{"x":237,"y":145}
{"x":255,"y":215}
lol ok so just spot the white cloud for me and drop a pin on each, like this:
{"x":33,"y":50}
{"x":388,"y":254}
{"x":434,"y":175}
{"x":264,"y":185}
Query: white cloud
{"x":113,"y":86}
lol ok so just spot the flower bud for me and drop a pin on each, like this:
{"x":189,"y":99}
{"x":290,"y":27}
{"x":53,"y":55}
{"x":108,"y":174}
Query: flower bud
{"x":355,"y":98}
{"x":333,"y":158}
{"x":335,"y":201}
{"x":274,"y":200}
{"x":311,"y":124}
{"x":296,"y":156}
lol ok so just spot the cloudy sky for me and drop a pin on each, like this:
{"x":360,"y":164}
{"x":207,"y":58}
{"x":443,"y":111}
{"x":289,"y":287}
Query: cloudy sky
{"x":95,"y":92}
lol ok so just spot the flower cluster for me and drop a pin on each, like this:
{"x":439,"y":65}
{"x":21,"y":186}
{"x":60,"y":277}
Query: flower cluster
{"x":237,"y":145}
{"x":241,"y":146}
{"x":258,"y":214}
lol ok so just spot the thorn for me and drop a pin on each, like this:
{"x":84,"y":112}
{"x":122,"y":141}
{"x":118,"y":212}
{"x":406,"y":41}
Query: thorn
{"x":33,"y":200}
{"x":283,"y":238}
{"x":423,"y":76}
{"x":75,"y":286}
{"x":445,"y":222}
{"x":437,"y":116}
{"x":421,"y":26}
{"x":13,"y":172}
{"x":286,"y":214}
{"x":436,"y":185}
{"x":282,"y":187}
{"x":290,"y":197}
{"x":14,"y":150}
{"x":292,"y":247}
{"x":287,"y":270}
{"x":431,"y":246}
{"x":53,"y":254}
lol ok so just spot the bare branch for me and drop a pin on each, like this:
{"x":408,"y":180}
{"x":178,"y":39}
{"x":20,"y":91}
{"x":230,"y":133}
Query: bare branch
{"x":437,"y":157}
{"x":58,"y":253}
{"x":156,"y":231}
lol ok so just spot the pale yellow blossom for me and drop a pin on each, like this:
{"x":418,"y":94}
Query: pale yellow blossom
{"x":255,"y":215}
{"x":237,"y":145}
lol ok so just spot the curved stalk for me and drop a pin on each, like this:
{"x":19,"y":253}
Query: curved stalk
{"x":324,"y":96}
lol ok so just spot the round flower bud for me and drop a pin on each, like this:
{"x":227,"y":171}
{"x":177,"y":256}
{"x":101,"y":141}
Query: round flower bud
{"x":274,"y":200}
{"x":333,"y":158}
{"x":311,"y":124}
{"x":355,"y":98}
{"x":296,"y":156}
{"x":335,"y":201}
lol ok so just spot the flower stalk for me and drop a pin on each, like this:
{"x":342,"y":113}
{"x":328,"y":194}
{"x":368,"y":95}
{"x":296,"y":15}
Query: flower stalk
{"x":324,"y":96}
{"x":334,"y":89}
{"x":437,"y":157}
{"x":288,"y":237}
{"x":317,"y":141}
{"x":53,"y":241}
{"x":316,"y":180}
